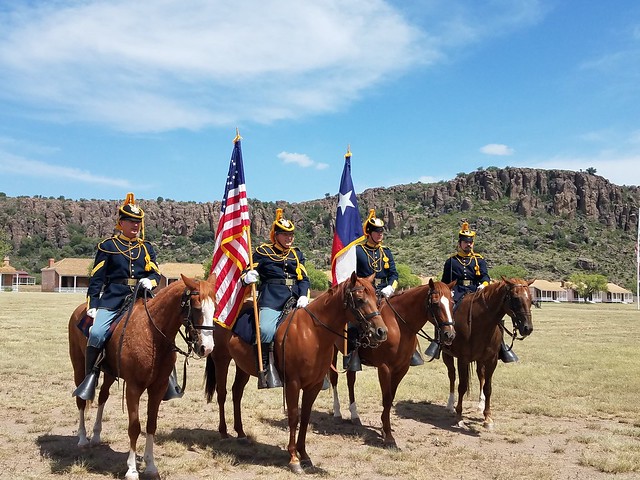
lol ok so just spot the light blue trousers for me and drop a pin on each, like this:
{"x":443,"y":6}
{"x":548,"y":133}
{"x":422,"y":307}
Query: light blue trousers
{"x":100,"y":329}
{"x":268,"y":323}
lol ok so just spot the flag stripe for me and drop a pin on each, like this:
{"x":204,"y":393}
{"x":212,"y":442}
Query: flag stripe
{"x":231,"y":247}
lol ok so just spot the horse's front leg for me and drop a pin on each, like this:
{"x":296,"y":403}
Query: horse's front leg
{"x":353,"y":406}
{"x":480,"y":371}
{"x":384,"y":377}
{"x":133,"y":406}
{"x":156,"y":393}
{"x":308,"y":397}
{"x":239,"y":383}
{"x":463,"y":385}
{"x":489,"y":368}
{"x":292,"y":394}
{"x":222,"y":371}
{"x":83,"y":441}
{"x":451,"y":372}
{"x":103,"y":396}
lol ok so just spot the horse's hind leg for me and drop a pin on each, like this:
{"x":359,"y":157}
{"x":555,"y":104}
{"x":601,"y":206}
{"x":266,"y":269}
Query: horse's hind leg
{"x":463,"y":385}
{"x":482,"y":397}
{"x":308,"y":397}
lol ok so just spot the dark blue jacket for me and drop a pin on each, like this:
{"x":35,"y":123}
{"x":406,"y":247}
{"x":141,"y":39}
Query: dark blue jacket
{"x":282,"y":275}
{"x":370,"y":260}
{"x":468,"y":272}
{"x":120,"y":262}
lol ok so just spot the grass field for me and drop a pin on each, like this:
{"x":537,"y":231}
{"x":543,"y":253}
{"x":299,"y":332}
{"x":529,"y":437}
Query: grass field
{"x":569,"y":409}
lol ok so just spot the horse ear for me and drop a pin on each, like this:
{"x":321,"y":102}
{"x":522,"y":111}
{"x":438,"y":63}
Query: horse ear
{"x":371,"y":277}
{"x":190,"y":283}
{"x":431,"y":284}
{"x":354,"y":278}
{"x":212,"y":278}
{"x":530,"y":282}
{"x":452,"y":284}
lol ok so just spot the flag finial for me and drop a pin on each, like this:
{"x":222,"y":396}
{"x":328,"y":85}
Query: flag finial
{"x":348,"y":154}
{"x":238,"y":137}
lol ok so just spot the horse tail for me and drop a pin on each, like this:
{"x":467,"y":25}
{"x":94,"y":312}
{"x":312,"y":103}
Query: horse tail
{"x":210,"y":379}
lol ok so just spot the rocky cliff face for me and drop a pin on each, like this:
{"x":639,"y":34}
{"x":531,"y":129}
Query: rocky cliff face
{"x":577,"y":201}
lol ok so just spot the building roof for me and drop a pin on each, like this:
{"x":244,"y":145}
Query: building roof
{"x":547,"y":286}
{"x":7,"y":269}
{"x":80,"y":267}
{"x":173,"y":270}
{"x":613,"y":288}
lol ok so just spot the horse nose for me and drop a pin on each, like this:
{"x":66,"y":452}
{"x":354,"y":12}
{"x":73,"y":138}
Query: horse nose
{"x":205,"y":348}
{"x":449,"y":337}
{"x":381,"y":334}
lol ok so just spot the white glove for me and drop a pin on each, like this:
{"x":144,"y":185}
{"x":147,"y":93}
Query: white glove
{"x":250,"y":277}
{"x":303,"y":301}
{"x":145,"y":283}
{"x":480,"y":287}
{"x":92,"y":312}
{"x":387,"y":291}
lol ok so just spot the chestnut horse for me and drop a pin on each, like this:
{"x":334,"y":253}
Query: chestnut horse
{"x":479,"y":329}
{"x":303,"y":348}
{"x":142,"y":351}
{"x":405,"y":315}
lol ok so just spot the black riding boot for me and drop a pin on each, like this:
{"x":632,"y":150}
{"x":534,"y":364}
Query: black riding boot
{"x":507,"y":355}
{"x":173,"y":389}
{"x":268,"y":377}
{"x":87,"y":389}
{"x":351,"y":361}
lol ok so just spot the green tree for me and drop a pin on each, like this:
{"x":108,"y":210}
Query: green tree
{"x":5,"y":245}
{"x":586,"y":284}
{"x":318,"y":279}
{"x":508,"y":271}
{"x":406,"y":279}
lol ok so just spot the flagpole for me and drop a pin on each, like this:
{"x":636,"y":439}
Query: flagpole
{"x":346,"y":325}
{"x":638,"y":263}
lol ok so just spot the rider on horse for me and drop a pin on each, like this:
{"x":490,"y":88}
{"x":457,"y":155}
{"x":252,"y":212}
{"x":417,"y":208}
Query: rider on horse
{"x":371,"y":258}
{"x":283,"y":278}
{"x":469,"y":270}
{"x":121,"y":263}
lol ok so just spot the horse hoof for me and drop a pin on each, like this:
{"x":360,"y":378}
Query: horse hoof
{"x":488,"y":425}
{"x":132,"y":476}
{"x":356,"y":421}
{"x":296,"y":468}
{"x":390,"y":444}
{"x":306,"y":463}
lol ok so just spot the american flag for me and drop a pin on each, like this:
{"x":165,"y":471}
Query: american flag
{"x":231,"y":251}
{"x":348,"y":231}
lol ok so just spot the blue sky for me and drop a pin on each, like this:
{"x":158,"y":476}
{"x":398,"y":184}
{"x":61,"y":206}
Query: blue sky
{"x":98,"y":98}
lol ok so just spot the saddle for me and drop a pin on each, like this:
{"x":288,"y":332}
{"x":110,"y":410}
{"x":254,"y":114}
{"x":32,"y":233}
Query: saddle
{"x":86,"y":321}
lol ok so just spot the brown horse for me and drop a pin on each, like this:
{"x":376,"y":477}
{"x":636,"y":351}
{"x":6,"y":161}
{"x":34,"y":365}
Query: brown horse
{"x":142,"y":351}
{"x":479,"y":329}
{"x":303,"y":349}
{"x":405,"y":315}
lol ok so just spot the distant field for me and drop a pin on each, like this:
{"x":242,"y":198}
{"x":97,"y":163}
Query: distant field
{"x":569,"y":409}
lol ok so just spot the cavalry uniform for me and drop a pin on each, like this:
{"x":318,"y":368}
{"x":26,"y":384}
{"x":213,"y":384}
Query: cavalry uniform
{"x":376,"y":260}
{"x":468,"y":270}
{"x":282,"y":275}
{"x":120,"y":263}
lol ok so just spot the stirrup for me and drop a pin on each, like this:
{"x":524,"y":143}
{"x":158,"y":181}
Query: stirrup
{"x":416,"y":359}
{"x":433,"y":350}
{"x":87,"y":389}
{"x":507,"y":355}
{"x":351,"y":362}
{"x":173,"y":389}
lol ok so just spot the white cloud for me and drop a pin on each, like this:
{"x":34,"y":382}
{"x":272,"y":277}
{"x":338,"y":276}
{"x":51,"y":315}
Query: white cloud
{"x":20,"y":166}
{"x":155,"y":65}
{"x":302,"y":160}
{"x":496,"y":149}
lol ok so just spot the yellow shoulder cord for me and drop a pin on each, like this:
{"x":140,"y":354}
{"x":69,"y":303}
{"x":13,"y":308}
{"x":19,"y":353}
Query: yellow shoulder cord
{"x":298,"y":269}
{"x":477,"y":267}
{"x":384,"y":258}
{"x":147,"y":258}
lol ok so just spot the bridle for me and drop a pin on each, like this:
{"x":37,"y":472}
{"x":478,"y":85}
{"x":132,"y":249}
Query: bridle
{"x":515,"y":310}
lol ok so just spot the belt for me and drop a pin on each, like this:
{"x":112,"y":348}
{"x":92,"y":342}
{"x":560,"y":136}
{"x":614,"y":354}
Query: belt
{"x":466,"y":283}
{"x":131,"y":282}
{"x":289,"y":282}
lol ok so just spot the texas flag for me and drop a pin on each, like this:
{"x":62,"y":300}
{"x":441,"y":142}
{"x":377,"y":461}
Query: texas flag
{"x":348,"y":231}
